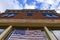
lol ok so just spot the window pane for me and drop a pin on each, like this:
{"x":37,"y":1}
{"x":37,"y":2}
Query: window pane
{"x":47,"y":15}
{"x":29,"y":14}
{"x":11,"y":15}
{"x":27,"y":35}
{"x":4,"y":15}
{"x":50,"y":16}
{"x":1,"y":30}
{"x":8,"y":15}
{"x":57,"y":33}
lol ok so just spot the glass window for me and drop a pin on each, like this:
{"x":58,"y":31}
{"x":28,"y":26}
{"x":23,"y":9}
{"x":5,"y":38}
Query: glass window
{"x":1,"y":30}
{"x":11,"y":15}
{"x":57,"y":34}
{"x":27,"y":35}
{"x":47,"y":15}
{"x":54,"y":16}
{"x":22,"y":32}
{"x":8,"y":15}
{"x":4,"y":15}
{"x":50,"y":16}
{"x":29,"y":14}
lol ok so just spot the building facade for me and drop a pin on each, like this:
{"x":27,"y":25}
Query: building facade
{"x":30,"y":20}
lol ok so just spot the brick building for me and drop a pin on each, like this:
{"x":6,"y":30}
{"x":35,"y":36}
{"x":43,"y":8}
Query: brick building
{"x":30,"y":19}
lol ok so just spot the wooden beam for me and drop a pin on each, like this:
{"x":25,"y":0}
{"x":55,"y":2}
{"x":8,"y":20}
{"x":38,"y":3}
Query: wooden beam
{"x":32,"y":24}
{"x":50,"y":34}
{"x":5,"y":33}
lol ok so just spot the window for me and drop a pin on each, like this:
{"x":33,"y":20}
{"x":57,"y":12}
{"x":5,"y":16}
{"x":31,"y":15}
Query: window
{"x":11,"y":15}
{"x":27,"y":35}
{"x":8,"y":15}
{"x":22,"y":32}
{"x":4,"y":15}
{"x":29,"y":14}
{"x":50,"y":16}
{"x":56,"y":33}
{"x":1,"y":30}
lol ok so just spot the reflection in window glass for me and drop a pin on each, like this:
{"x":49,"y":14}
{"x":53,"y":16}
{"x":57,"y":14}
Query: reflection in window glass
{"x":27,"y":35}
{"x":57,"y":33}
{"x":11,"y":15}
{"x":50,"y":15}
{"x":45,"y":35}
{"x":1,"y":30}
{"x":8,"y":15}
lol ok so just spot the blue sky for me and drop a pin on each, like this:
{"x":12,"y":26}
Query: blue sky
{"x":30,"y":4}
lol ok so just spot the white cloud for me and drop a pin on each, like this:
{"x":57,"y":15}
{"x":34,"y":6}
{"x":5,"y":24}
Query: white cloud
{"x":14,"y":4}
{"x":40,"y":0}
{"x":58,"y":11}
{"x":9,"y":4}
{"x":50,"y":1}
{"x":29,"y":6}
{"x":54,"y":4}
{"x":44,"y":6}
